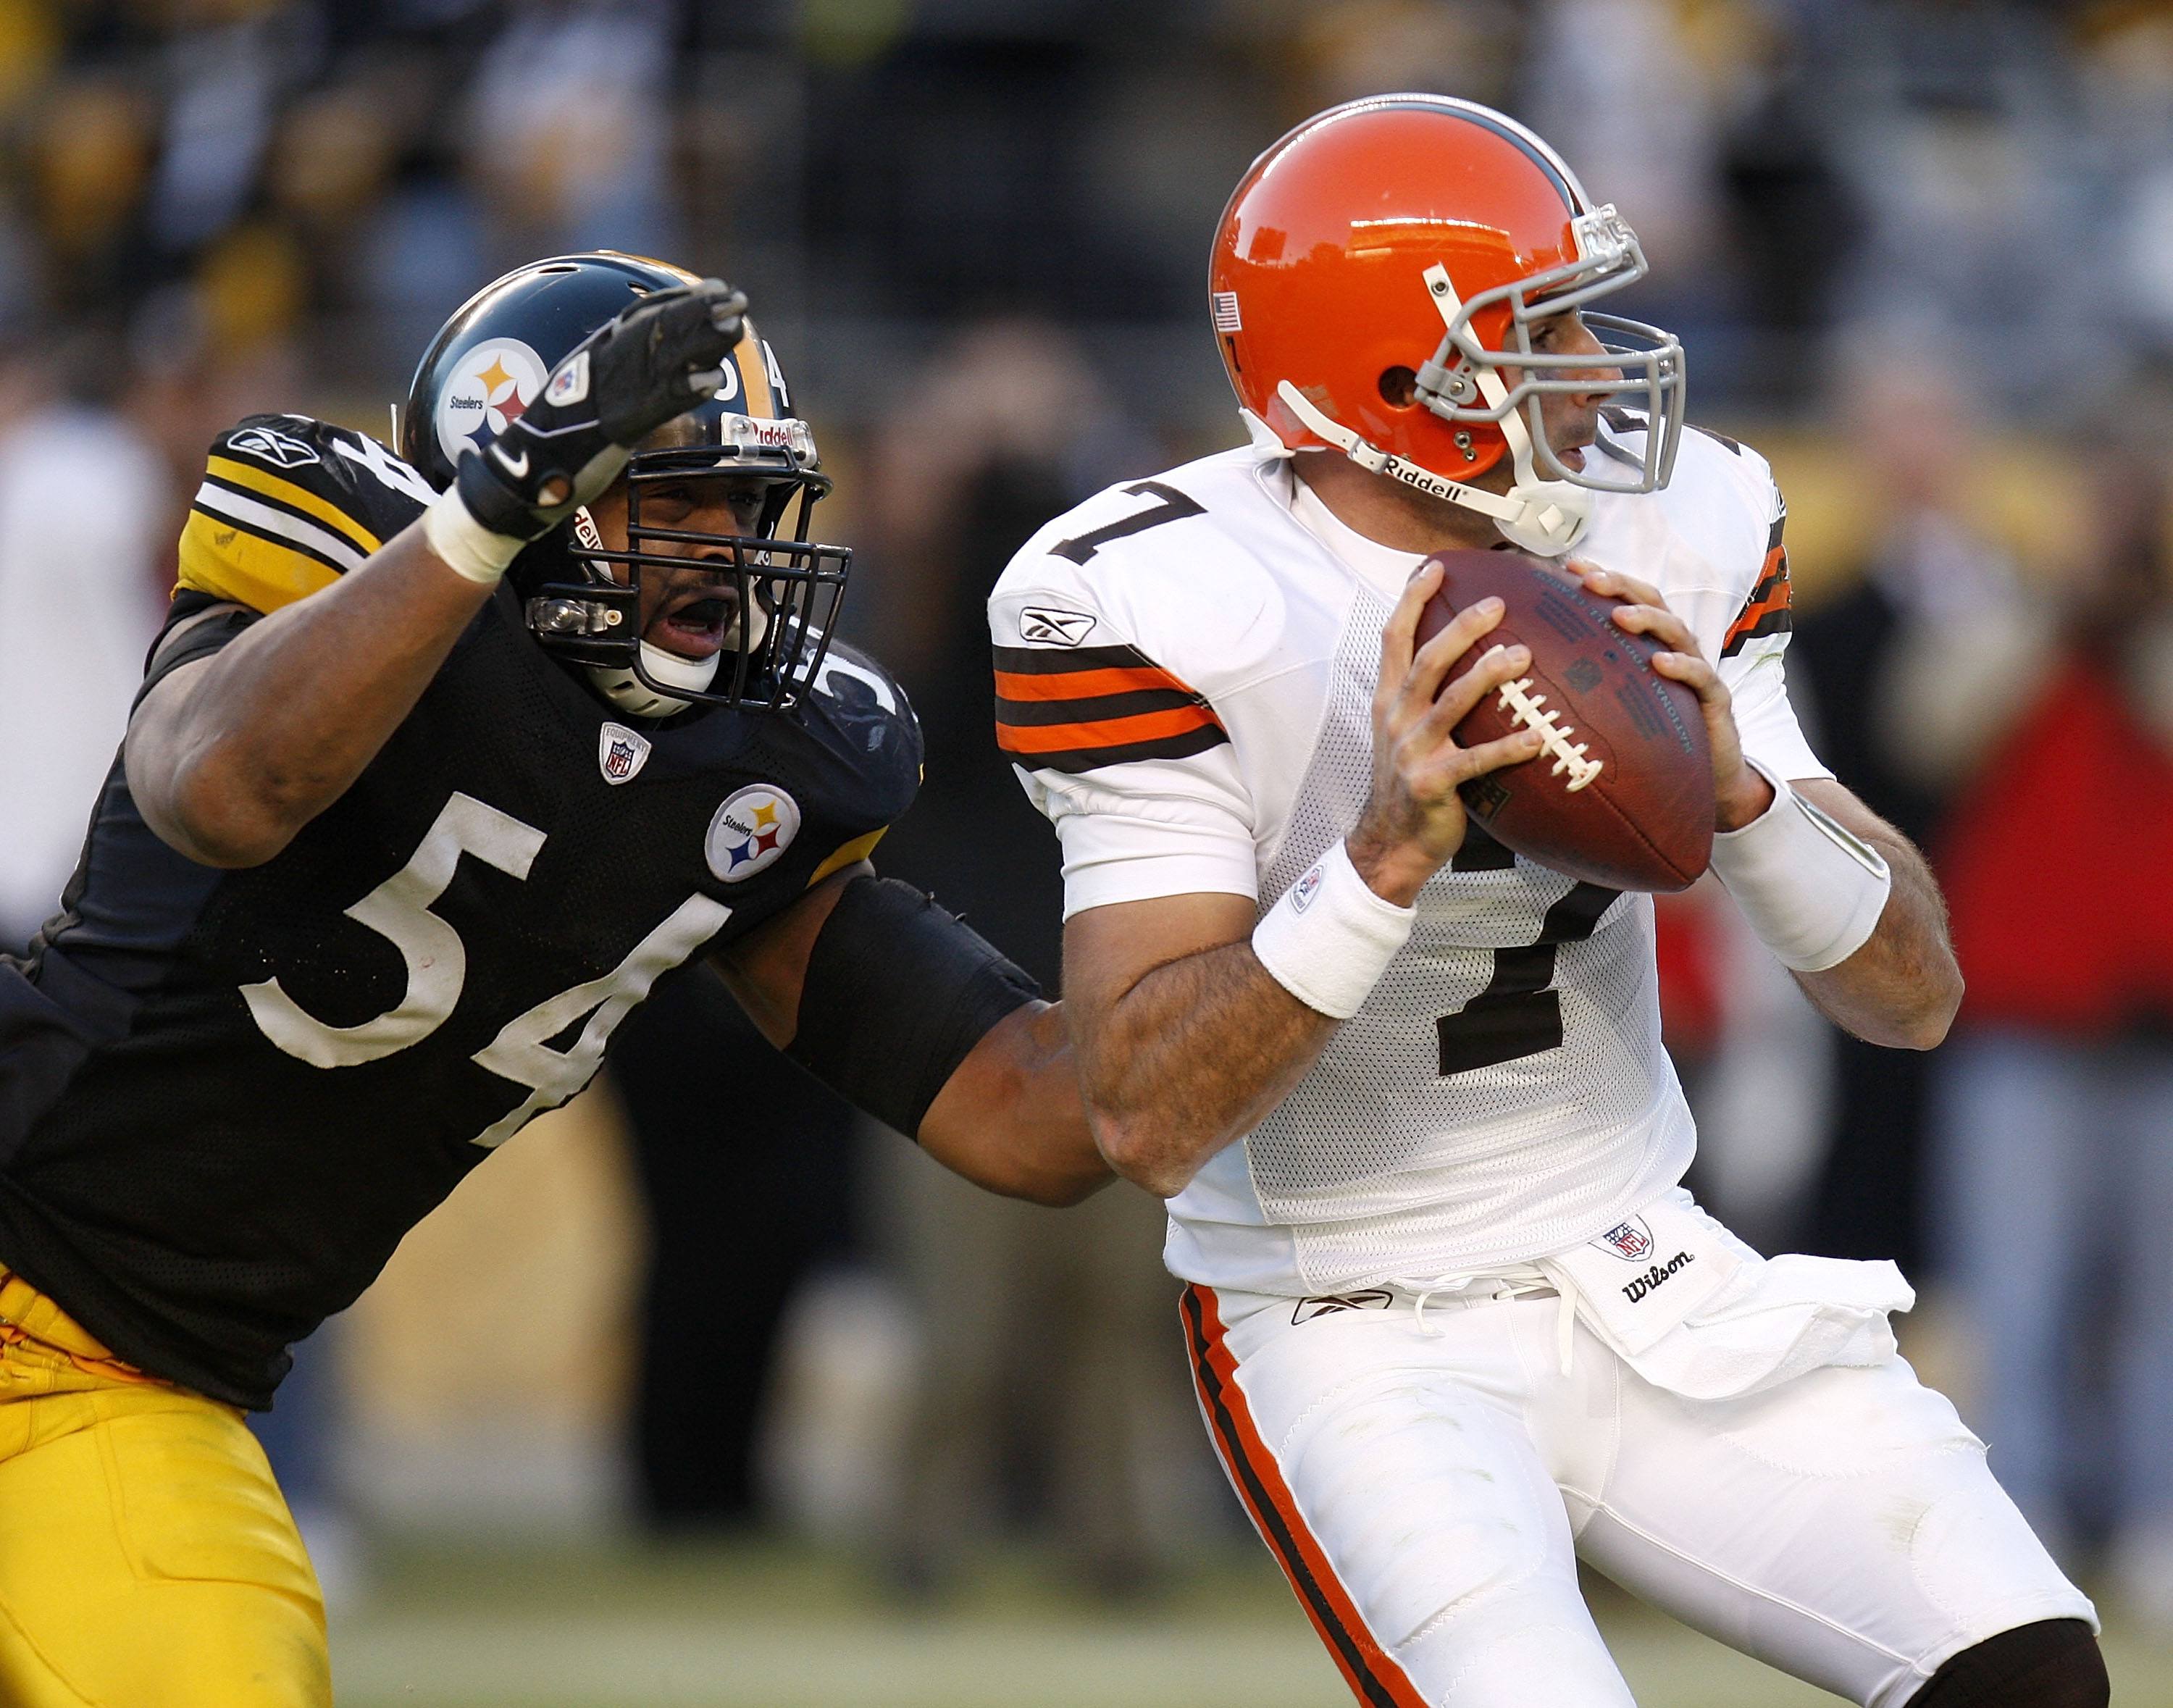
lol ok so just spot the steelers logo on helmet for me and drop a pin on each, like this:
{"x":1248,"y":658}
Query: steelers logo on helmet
{"x":489,"y":388}
{"x":751,"y":831}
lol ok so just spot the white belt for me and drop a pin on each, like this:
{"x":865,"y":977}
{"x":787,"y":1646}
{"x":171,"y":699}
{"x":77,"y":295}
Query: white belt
{"x":1512,"y":1281}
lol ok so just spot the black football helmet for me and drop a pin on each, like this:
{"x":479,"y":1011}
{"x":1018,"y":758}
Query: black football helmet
{"x":486,"y":366}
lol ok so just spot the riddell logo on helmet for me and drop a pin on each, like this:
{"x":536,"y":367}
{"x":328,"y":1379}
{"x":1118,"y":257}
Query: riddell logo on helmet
{"x":1411,"y":475}
{"x":491,"y":388}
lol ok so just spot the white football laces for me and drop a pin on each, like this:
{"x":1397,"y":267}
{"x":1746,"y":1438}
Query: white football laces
{"x":1530,"y":711}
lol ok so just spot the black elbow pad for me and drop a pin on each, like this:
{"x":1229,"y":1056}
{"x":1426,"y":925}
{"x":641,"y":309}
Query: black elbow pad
{"x":897,"y":992}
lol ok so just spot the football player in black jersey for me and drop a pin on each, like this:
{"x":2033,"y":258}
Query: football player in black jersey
{"x":441,"y":762}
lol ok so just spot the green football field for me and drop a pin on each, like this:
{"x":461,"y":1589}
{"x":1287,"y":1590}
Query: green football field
{"x":765,"y":1626}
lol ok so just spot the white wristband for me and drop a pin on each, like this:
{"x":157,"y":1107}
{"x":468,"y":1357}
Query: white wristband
{"x":1330,"y":938}
{"x":1811,"y":890}
{"x":463,"y":544}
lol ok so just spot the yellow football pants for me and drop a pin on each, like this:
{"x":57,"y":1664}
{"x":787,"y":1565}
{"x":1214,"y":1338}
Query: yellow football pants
{"x":147,"y":1558}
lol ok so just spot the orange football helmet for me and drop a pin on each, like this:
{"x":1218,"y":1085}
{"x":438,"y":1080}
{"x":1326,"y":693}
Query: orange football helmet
{"x":1379,"y":268}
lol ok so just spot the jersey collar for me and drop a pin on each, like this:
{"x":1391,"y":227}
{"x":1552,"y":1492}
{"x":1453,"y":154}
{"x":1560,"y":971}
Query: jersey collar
{"x":1381,"y":568}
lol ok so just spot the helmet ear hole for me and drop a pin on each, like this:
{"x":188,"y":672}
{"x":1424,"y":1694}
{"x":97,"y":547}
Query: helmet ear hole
{"x":1400,"y":387}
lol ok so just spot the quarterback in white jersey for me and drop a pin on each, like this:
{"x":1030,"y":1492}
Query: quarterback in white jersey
{"x":1453,"y":1321}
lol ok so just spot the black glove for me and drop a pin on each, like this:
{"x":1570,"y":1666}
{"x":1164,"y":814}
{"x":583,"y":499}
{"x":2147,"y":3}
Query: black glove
{"x":661,"y":358}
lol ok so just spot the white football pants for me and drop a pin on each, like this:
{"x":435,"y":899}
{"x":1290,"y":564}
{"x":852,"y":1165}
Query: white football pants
{"x":1428,"y":1484}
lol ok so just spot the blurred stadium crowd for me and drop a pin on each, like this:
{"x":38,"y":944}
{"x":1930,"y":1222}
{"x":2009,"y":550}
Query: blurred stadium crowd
{"x":1922,"y":250}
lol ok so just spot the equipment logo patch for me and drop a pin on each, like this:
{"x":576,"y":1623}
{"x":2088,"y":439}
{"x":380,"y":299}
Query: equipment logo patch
{"x":620,"y":752}
{"x":1043,"y":626}
{"x":1632,"y":1241}
{"x":280,"y":450}
{"x":751,"y":831}
{"x":491,"y":388}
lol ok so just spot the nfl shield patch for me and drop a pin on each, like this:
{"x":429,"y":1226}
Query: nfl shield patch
{"x":620,"y":752}
{"x":1632,"y":1240}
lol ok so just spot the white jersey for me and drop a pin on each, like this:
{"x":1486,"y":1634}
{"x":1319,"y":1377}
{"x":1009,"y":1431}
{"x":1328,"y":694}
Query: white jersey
{"x":1185,"y":670}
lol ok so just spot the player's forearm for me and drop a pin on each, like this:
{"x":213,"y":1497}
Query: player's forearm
{"x":256,"y":742}
{"x":1902,"y":988}
{"x":1191,"y":1057}
{"x":1010,"y":1119}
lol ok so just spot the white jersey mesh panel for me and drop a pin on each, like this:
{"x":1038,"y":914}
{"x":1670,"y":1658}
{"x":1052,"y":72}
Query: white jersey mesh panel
{"x":1381,"y":1167}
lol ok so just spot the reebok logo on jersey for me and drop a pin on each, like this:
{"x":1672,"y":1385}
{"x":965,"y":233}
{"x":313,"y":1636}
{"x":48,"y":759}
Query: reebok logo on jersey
{"x":1656,"y":1276}
{"x":1307,"y":1309}
{"x":621,"y":752}
{"x":1048,"y":626}
{"x":280,"y":450}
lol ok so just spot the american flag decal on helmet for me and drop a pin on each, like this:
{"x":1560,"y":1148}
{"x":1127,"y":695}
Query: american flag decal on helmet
{"x":1226,"y":311}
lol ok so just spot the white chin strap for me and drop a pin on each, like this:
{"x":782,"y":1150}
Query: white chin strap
{"x":637,"y":699}
{"x":1546,"y":518}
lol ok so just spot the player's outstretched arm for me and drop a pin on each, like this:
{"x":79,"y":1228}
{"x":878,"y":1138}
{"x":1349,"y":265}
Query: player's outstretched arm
{"x":228,"y":756}
{"x":900,"y":1008}
{"x":1191,"y":1022}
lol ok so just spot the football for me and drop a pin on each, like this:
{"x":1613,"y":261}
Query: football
{"x":1622,"y":793}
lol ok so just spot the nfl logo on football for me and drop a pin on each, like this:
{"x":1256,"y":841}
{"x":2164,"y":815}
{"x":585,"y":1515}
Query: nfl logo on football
{"x":1630,"y":1241}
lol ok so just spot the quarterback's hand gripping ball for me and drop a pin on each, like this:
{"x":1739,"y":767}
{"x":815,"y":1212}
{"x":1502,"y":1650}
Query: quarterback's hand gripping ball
{"x":1621,"y":794}
{"x":662,"y":356}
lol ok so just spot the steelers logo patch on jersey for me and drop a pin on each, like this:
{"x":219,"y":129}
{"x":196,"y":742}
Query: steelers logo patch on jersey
{"x":751,"y":831}
{"x":489,"y":390}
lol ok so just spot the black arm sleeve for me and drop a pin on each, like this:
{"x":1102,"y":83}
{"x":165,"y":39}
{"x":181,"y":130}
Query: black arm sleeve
{"x":896,"y":994}
{"x":197,"y":625}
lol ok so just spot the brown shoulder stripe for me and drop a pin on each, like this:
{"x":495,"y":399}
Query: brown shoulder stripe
{"x":1077,"y":708}
{"x":1770,"y":610}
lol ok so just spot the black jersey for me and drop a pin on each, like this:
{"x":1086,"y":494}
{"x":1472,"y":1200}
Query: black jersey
{"x":225,"y":1095}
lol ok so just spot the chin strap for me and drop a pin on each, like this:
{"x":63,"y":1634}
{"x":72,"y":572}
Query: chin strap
{"x":1544,"y":517}
{"x":637,"y":699}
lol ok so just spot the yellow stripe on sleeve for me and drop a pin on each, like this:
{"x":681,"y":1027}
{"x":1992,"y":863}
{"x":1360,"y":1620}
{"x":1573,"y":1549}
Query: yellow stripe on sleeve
{"x":287,"y":492}
{"x":228,"y":561}
{"x":859,"y":848}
